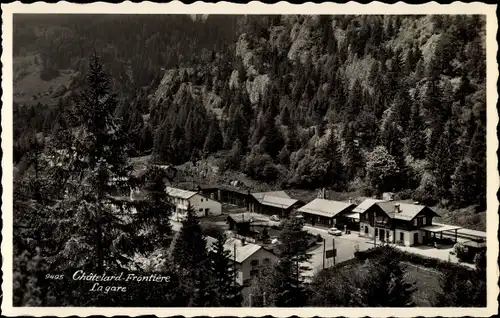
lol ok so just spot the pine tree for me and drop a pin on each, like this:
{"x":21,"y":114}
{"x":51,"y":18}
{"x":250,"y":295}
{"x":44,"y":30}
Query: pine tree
{"x":154,"y":213}
{"x":351,"y":157}
{"x":330,"y":153}
{"x":463,"y":186}
{"x":214,"y":140}
{"x":227,"y":290}
{"x":443,"y":161}
{"x":190,"y":257}
{"x":461,"y":288}
{"x":87,"y":170}
{"x":288,"y":280}
{"x":415,"y":143}
{"x":190,"y":250}
{"x":393,"y":289}
{"x":477,"y":152}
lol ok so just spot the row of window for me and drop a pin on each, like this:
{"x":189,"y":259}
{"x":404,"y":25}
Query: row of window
{"x":255,"y":262}
{"x":420,"y":221}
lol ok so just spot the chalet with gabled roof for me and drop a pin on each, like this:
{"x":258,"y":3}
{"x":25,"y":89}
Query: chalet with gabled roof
{"x":402,"y":222}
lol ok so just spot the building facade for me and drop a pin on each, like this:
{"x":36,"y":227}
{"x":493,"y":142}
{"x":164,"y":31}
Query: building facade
{"x":202,"y":205}
{"x":326,"y":213}
{"x":396,"y":222}
{"x":247,"y":257}
{"x":226,"y":194}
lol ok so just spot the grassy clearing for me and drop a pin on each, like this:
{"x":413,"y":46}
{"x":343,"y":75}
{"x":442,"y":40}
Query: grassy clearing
{"x":29,"y":88}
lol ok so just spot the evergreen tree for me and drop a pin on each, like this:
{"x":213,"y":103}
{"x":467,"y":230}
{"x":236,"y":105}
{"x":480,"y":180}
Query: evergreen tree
{"x":351,"y":159}
{"x":155,"y":212}
{"x":443,"y":161}
{"x":273,"y":139}
{"x":329,"y":152}
{"x":463,"y":186}
{"x":392,"y":287}
{"x":415,"y":143}
{"x":87,"y":170}
{"x":214,"y":140}
{"x":190,"y":250}
{"x":288,"y":281}
{"x":477,"y":152}
{"x":461,"y":288}
{"x":226,"y":289}
{"x":190,"y":257}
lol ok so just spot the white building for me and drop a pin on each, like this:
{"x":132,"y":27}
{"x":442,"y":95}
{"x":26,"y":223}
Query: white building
{"x":202,"y":205}
{"x":248,"y":257}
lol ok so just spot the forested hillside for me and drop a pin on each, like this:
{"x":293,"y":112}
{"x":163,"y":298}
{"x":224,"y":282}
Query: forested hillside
{"x":370,"y":103}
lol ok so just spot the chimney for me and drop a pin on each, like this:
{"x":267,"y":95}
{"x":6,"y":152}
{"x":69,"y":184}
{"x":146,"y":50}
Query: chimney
{"x":350,"y":200}
{"x":396,"y":208}
{"x":243,"y":242}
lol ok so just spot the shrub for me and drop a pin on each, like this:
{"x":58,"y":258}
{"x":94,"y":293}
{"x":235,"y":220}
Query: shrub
{"x":404,"y":194}
{"x":461,"y":252}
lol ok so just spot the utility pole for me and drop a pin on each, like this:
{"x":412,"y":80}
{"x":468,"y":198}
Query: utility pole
{"x":334,"y":252}
{"x":324,"y":252}
{"x":374,"y":229}
{"x":234,"y":262}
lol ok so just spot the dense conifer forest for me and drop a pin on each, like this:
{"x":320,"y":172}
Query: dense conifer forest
{"x":378,"y":103}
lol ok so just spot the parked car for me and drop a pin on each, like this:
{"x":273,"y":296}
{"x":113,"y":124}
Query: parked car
{"x":274,"y":218}
{"x":334,"y":231}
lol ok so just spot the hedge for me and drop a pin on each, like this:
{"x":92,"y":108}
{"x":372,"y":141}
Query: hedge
{"x":411,"y":258}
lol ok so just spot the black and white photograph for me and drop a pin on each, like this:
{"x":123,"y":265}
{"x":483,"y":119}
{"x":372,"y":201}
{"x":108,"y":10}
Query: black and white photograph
{"x":250,"y":160}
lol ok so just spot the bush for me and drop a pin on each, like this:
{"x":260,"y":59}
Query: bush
{"x":211,"y":229}
{"x":404,"y":194}
{"x":319,"y":238}
{"x":409,"y":257}
{"x":461,"y":252}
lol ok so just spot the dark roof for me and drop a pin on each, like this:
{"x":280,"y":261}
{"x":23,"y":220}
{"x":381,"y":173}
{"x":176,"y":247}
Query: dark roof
{"x":366,"y":204}
{"x":407,"y":211}
{"x":278,"y":199}
{"x":239,"y":218}
{"x":323,"y":207}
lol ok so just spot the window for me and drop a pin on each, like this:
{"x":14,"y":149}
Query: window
{"x":388,"y":233}
{"x":415,"y":222}
{"x":201,"y":200}
{"x":254,"y":273}
{"x":424,"y":221}
{"x":401,"y":236}
{"x":255,"y":262}
{"x":366,"y":229}
{"x":201,"y":210}
{"x":376,"y":232}
{"x":267,"y":260}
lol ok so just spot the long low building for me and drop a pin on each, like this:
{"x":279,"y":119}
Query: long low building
{"x":273,"y":203}
{"x":324,"y":212}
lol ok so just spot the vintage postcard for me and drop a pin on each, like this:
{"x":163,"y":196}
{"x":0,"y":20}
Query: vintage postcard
{"x":311,"y":160}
